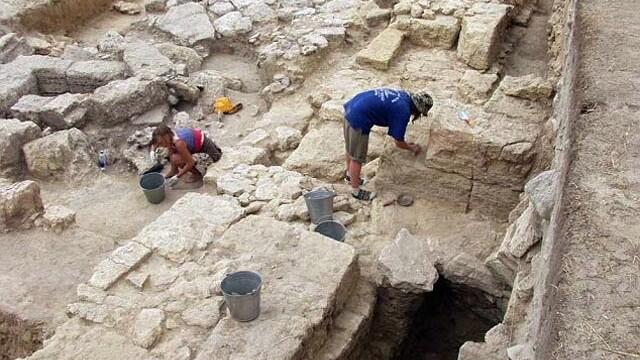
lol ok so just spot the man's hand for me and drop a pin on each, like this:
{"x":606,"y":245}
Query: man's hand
{"x":415,"y":148}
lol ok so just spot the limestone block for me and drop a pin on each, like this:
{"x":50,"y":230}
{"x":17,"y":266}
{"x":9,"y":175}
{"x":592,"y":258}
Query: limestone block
{"x":524,"y":233}
{"x":328,"y":273}
{"x":50,"y":72}
{"x":182,"y":55}
{"x":13,"y":135}
{"x":286,"y":138}
{"x":90,"y":294}
{"x":212,"y":84}
{"x":128,"y":8}
{"x":112,"y":45}
{"x":188,"y":23}
{"x":406,"y":264}
{"x":86,"y":76}
{"x":155,"y":6}
{"x":119,"y":100}
{"x":20,"y":205}
{"x":468,"y":270}
{"x":377,"y":16}
{"x":528,"y":87}
{"x":332,"y":110}
{"x":58,"y":218}
{"x":77,"y":53}
{"x":138,"y":279}
{"x":476,"y":87}
{"x":95,"y":313}
{"x":172,"y":237}
{"x":321,"y":152}
{"x":205,"y":313}
{"x":481,"y":34}
{"x":29,"y":107}
{"x":64,"y":111}
{"x":234,"y":184}
{"x":148,"y":327}
{"x":146,"y":61}
{"x":62,"y":154}
{"x":221,"y":8}
{"x":15,"y":84}
{"x":259,"y":12}
{"x":441,"y":32}
{"x":381,"y":50}
{"x":130,"y":254}
{"x":493,"y":348}
{"x":107,"y":273}
{"x":233,"y":156}
{"x":529,"y":111}
{"x":288,"y":112}
{"x":541,"y":192}
{"x":12,"y":46}
{"x":259,"y":138}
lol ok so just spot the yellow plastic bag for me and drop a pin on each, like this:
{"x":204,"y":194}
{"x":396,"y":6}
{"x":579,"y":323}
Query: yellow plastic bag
{"x":222,"y":105}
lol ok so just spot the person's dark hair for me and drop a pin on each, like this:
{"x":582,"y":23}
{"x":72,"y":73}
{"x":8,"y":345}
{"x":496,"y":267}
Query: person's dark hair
{"x":159,"y":132}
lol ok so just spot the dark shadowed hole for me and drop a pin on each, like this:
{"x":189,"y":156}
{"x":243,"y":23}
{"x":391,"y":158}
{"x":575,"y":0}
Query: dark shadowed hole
{"x":451,"y":315}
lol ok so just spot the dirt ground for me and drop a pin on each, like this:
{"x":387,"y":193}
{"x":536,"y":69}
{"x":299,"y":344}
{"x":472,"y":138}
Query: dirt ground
{"x":597,"y":315}
{"x":39,"y":270}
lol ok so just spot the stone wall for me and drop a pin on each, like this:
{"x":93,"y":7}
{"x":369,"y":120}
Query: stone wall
{"x":529,"y":268}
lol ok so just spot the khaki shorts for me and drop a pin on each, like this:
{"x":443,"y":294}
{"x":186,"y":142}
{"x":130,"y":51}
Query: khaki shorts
{"x":356,"y":143}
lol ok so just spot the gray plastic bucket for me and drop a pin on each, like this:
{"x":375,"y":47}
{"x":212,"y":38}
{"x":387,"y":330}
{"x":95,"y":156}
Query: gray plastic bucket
{"x":332,"y":229}
{"x":241,"y":292}
{"x":320,"y":205}
{"x":152,"y":185}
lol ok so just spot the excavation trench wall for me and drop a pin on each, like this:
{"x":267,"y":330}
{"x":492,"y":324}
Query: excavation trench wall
{"x":565,"y":112}
{"x":54,"y":15}
{"x":18,"y":337}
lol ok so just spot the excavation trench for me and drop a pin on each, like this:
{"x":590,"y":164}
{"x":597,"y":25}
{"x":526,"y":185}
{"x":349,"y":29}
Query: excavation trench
{"x":19,"y":338}
{"x":49,"y":16}
{"x":449,"y":316}
{"x":431,"y":326}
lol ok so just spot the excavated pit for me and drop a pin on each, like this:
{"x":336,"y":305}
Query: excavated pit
{"x":449,"y":316}
{"x":18,"y":337}
{"x":49,"y":16}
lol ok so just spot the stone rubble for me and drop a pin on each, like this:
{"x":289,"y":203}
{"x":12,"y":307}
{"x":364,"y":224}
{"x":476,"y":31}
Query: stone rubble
{"x":58,"y":218}
{"x":381,"y":50}
{"x":187,"y":23}
{"x":61,"y":155}
{"x":20,"y":205}
{"x":481,"y":34}
{"x":13,"y":135}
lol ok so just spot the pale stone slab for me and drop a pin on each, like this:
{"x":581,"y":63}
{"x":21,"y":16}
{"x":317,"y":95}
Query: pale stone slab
{"x":379,"y":53}
{"x":406,"y":264}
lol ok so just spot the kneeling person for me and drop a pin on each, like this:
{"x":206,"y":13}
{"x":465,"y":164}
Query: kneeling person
{"x":379,"y":107}
{"x":182,"y":144}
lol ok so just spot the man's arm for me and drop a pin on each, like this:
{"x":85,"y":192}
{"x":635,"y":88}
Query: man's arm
{"x":414,"y":148}
{"x":181,"y":148}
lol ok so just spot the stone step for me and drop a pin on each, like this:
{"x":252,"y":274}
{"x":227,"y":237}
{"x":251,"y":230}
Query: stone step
{"x":379,"y":53}
{"x":351,"y":325}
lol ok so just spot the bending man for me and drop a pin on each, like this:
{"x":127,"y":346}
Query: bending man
{"x":379,"y":107}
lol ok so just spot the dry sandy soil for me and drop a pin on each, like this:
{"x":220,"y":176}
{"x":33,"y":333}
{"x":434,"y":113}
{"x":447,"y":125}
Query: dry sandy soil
{"x":598,"y":311}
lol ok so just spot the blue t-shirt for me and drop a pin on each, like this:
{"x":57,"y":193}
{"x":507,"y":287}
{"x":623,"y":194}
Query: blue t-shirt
{"x":381,"y":107}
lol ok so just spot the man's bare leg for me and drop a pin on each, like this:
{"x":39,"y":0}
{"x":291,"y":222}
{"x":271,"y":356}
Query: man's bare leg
{"x":354,"y":173}
{"x":348,"y":161}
